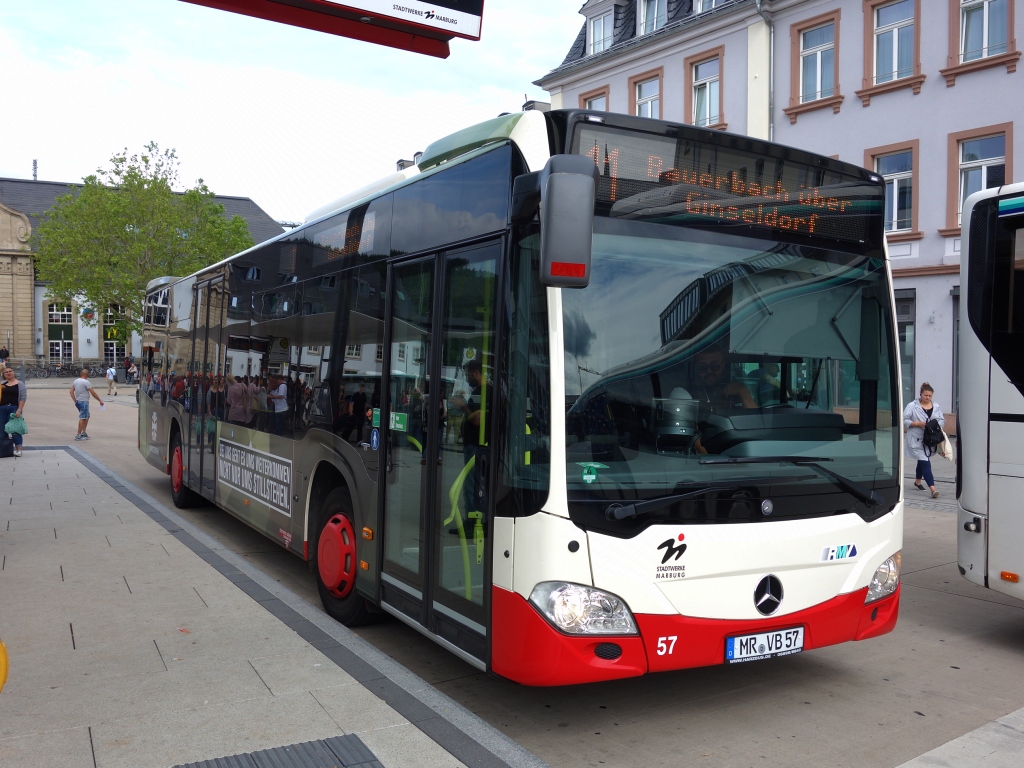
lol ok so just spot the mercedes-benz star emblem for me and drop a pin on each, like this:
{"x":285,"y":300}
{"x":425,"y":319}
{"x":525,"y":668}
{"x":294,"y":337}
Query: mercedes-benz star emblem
{"x":768,"y":595}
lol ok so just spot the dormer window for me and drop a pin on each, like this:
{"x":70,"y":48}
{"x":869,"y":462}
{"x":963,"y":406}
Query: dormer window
{"x":601,"y":33}
{"x":707,"y":5}
{"x":653,"y":14}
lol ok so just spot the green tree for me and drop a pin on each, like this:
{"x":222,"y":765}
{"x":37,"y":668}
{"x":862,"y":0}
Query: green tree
{"x":102,"y":243}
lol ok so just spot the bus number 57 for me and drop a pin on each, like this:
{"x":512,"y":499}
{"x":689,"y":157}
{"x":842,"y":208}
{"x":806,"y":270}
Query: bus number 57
{"x":666,"y":644}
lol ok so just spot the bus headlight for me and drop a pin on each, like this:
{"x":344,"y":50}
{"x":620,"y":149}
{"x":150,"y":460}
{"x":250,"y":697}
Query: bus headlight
{"x":579,"y":610}
{"x":885,"y":580}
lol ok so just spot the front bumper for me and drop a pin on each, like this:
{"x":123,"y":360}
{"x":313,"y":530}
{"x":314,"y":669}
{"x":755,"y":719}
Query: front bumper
{"x":527,"y":649}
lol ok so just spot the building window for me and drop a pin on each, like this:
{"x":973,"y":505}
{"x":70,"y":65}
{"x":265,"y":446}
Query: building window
{"x":706,"y":94}
{"x":978,"y":158}
{"x":60,"y":350}
{"x":983,"y":27}
{"x":596,"y":99}
{"x":601,"y":33}
{"x":647,"y":98}
{"x":329,"y":283}
{"x":982,"y":165}
{"x":707,"y":5}
{"x":253,"y":275}
{"x":380,"y":354}
{"x":354,"y":351}
{"x":401,"y":353}
{"x":817,"y":63}
{"x":894,"y":41}
{"x":652,"y":15}
{"x":897,"y":170}
{"x":113,"y":352}
{"x":905,"y":316}
{"x":60,"y":313}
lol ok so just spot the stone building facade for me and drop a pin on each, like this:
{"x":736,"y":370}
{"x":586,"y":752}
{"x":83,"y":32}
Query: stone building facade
{"x":924,"y":92}
{"x":17,"y":282}
{"x":31,"y":324}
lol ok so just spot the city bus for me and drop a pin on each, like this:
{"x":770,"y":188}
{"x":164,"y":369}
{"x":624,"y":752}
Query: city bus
{"x":990,"y":466}
{"x":631,"y":397}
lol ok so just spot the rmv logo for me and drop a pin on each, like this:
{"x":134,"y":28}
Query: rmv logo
{"x":840,"y":552}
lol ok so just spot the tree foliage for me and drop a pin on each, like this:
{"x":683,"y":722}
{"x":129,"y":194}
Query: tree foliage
{"x":102,"y":243}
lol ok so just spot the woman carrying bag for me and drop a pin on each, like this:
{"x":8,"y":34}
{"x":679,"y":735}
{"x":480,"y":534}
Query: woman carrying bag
{"x":915,"y":418}
{"x":12,"y":404}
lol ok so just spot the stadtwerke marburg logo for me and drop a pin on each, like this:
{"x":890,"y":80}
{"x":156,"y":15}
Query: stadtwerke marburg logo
{"x":673,"y":552}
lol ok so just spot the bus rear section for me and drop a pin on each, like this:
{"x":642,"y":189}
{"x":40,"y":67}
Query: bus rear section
{"x":724,"y":472}
{"x":990,"y":466}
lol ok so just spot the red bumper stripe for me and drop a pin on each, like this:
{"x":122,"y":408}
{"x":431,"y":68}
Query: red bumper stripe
{"x":528,"y":650}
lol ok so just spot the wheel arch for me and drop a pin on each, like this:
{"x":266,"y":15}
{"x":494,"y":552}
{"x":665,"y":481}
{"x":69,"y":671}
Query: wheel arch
{"x":325,"y":476}
{"x":173,"y":429}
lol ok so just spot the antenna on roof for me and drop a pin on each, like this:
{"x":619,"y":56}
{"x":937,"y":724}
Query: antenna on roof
{"x":35,"y":168}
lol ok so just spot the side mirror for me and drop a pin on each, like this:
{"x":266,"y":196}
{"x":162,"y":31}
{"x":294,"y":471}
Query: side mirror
{"x":565,"y":192}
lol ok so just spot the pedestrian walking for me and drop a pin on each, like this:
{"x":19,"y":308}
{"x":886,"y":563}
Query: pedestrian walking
{"x":80,"y":391}
{"x":4,"y":355}
{"x":111,"y":380}
{"x":12,"y":403}
{"x":915,"y":419}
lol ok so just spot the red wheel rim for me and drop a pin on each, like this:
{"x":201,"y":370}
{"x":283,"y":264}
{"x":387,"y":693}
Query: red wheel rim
{"x":336,"y":556}
{"x":176,"y":469}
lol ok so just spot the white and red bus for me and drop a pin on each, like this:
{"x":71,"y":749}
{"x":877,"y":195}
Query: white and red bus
{"x":580,"y":396}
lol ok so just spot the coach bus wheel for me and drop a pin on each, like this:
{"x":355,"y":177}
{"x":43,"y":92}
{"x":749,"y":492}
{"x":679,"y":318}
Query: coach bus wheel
{"x":337,"y":561}
{"x":181,"y":494}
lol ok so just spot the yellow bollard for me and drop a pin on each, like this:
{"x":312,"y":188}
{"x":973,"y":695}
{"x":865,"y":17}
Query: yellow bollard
{"x":3,"y":664}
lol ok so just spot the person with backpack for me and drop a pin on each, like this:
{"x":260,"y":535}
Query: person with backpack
{"x":923,"y":422}
{"x":111,"y":380}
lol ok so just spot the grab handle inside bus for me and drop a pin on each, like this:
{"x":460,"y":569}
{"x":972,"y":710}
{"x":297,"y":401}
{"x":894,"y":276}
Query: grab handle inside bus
{"x":565,"y":193}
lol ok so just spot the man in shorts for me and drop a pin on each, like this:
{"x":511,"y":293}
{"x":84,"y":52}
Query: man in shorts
{"x":80,"y":391}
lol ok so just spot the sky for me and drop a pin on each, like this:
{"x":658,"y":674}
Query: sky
{"x":288,"y":117}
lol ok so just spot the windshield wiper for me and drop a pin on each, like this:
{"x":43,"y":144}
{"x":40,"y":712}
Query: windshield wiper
{"x":870,"y":497}
{"x":617,"y":511}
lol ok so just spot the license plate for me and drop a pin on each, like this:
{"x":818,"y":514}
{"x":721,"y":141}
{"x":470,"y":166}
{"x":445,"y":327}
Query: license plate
{"x":764,"y":645}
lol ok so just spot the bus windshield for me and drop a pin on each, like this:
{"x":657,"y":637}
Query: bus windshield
{"x":689,"y":346}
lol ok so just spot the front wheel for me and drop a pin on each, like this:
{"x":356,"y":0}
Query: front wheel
{"x":336,"y":561}
{"x":183,"y":496}
{"x":42,"y":373}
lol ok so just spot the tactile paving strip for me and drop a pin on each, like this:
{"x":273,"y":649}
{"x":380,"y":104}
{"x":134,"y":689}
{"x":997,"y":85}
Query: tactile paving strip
{"x":335,"y":752}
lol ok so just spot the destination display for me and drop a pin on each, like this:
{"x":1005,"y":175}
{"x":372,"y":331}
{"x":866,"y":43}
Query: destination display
{"x":688,"y":182}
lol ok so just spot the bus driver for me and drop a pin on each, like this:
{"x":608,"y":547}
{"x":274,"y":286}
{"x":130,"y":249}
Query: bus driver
{"x":714,"y":389}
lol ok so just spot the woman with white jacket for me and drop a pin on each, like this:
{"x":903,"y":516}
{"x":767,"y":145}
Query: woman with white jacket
{"x":915,"y":416}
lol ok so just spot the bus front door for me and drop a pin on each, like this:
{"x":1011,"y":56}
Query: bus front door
{"x":438,"y":397}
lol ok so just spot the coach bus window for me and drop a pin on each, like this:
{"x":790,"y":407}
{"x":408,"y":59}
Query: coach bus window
{"x":997,"y":246}
{"x":277,"y":318}
{"x":357,"y":364}
{"x":465,"y":201}
{"x":736,"y":347}
{"x":525,"y":461}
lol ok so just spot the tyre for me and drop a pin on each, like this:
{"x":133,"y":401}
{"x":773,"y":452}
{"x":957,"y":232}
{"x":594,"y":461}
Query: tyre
{"x":183,"y":496}
{"x":42,"y":373}
{"x":337,"y":562}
